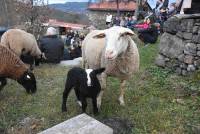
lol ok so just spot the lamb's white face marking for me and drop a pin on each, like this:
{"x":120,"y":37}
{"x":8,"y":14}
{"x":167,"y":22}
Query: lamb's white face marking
{"x":28,"y":77}
{"x":88,"y":71}
{"x":79,"y":103}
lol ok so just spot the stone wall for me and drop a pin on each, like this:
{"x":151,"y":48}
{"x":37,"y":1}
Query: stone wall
{"x":98,"y":18}
{"x":179,"y":47}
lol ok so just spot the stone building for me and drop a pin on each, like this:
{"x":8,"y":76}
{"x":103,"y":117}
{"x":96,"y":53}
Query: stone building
{"x":99,"y":8}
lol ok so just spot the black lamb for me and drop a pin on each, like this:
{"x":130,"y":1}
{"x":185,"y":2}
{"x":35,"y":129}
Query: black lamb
{"x":85,"y":84}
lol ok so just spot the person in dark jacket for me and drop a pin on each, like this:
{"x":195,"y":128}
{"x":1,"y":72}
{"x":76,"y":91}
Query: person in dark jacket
{"x":149,"y":35}
{"x":52,"y":46}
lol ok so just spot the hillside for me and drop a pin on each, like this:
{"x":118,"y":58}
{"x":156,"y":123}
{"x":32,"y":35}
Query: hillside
{"x":69,"y":17}
{"x":78,"y":7}
{"x":11,"y":17}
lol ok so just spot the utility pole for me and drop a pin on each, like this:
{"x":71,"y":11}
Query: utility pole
{"x":139,"y":4}
{"x":6,"y":13}
{"x":118,"y":12}
{"x":32,"y":12}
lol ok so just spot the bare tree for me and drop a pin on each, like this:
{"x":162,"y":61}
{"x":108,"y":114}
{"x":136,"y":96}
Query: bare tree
{"x":33,"y":13}
{"x":118,"y":12}
{"x":140,"y":6}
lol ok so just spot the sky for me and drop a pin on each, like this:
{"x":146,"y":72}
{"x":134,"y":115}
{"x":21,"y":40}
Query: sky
{"x":152,"y":3}
{"x":63,"y":1}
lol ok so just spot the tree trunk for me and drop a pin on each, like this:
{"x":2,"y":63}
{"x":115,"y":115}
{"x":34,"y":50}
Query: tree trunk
{"x":139,"y":5}
{"x":118,"y":12}
{"x":6,"y":13}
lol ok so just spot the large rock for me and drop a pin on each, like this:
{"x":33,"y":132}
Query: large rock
{"x":81,"y":124}
{"x":171,"y":46}
{"x":172,"y":25}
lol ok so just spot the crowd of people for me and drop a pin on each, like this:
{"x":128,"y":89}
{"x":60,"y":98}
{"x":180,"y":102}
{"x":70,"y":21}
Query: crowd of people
{"x":57,"y":48}
{"x":151,"y":26}
{"x":163,"y":11}
{"x":148,"y":30}
{"x":67,"y":46}
{"x":127,"y":21}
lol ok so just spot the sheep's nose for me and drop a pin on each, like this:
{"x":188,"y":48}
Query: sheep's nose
{"x":109,"y":54}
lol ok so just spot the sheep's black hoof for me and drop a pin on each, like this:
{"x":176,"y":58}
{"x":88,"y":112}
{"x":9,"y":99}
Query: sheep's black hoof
{"x":64,"y":110}
{"x":96,"y":112}
{"x":31,"y":68}
{"x":83,"y":112}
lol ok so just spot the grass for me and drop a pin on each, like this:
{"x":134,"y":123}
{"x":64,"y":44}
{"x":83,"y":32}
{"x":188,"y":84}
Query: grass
{"x":157,"y":100}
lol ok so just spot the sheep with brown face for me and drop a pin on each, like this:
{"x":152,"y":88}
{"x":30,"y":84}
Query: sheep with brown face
{"x":12,"y":67}
{"x":113,"y":49}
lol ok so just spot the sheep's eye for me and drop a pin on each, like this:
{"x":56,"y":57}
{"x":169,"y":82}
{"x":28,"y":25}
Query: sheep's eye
{"x":121,"y":36}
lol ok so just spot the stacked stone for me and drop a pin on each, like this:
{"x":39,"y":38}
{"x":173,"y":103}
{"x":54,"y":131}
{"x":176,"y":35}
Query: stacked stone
{"x":179,"y":47}
{"x":98,"y":19}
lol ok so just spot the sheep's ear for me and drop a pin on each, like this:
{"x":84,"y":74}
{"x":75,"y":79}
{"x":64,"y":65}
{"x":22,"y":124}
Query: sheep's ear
{"x":98,"y":71}
{"x":99,"y":36}
{"x":127,"y":32}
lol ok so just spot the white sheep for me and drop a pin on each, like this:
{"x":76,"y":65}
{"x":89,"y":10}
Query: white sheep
{"x":21,"y":43}
{"x":113,"y":49}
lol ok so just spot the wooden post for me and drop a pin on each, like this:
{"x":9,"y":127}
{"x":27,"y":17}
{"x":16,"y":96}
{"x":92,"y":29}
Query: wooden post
{"x":139,"y":4}
{"x":118,"y":12}
{"x":6,"y":13}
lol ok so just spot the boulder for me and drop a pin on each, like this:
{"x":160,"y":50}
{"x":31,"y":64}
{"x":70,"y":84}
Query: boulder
{"x":171,"y":25}
{"x":171,"y":46}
